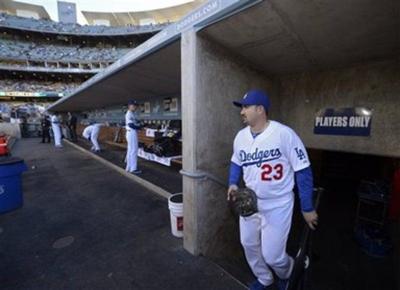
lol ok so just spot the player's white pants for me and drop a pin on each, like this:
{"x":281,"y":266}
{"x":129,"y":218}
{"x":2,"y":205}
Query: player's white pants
{"x":57,"y":134}
{"x":93,"y":138}
{"x":131,"y":153}
{"x":263,"y":237}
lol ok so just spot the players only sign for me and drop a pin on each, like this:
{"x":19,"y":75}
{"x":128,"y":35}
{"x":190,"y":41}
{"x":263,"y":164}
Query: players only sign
{"x":345,"y":121}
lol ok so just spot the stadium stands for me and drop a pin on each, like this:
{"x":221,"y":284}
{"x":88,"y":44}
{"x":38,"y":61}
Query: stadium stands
{"x":11,"y":85}
{"x":44,"y":56}
{"x":28,"y":50}
{"x":49,"y":26}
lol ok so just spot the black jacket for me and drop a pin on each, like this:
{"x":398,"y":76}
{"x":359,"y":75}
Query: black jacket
{"x":45,"y":123}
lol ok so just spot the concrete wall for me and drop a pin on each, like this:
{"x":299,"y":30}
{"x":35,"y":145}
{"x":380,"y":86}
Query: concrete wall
{"x":374,"y":85}
{"x":211,"y":79}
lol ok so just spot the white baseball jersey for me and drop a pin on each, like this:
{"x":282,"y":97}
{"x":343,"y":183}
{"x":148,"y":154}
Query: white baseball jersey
{"x":270,"y":159}
{"x":131,"y":117}
{"x":55,"y":120}
{"x":91,"y":130}
{"x":132,"y":140}
{"x":55,"y":125}
{"x":87,"y":132}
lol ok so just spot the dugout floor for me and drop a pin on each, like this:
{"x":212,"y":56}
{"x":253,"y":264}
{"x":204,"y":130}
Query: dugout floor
{"x":84,"y":226}
{"x":168,"y":178}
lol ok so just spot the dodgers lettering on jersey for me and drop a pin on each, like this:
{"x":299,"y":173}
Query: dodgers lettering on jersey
{"x":270,"y":160}
{"x":259,"y":156}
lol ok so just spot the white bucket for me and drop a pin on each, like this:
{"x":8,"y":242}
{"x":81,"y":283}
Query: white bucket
{"x":175,"y":205}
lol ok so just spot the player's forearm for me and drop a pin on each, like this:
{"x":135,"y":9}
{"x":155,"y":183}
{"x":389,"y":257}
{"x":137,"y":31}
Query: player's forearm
{"x":137,"y":122}
{"x":133,"y":126}
{"x":235,"y":173}
{"x":305,"y":186}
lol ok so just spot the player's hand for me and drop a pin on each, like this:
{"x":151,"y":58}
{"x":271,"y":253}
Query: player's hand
{"x":231,"y":189}
{"x":311,"y":219}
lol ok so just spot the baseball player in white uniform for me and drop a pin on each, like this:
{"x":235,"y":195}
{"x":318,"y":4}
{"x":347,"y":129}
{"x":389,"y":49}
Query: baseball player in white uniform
{"x":56,"y":127}
{"x":269,"y":156}
{"x":91,"y":133}
{"x":132,"y":124}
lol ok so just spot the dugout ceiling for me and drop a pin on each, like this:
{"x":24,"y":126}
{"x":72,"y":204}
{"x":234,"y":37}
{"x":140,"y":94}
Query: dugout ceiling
{"x":156,"y":75}
{"x":286,"y":36}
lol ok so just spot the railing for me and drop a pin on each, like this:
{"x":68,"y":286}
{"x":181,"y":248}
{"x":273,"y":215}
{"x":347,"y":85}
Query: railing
{"x":53,"y":66}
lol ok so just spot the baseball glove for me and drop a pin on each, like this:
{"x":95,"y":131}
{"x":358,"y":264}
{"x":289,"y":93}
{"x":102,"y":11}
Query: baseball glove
{"x":244,"y":202}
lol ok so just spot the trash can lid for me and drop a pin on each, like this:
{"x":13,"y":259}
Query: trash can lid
{"x":8,"y":160}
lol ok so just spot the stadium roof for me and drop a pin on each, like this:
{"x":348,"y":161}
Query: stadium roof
{"x":11,"y":7}
{"x":171,"y":14}
{"x":276,"y":36}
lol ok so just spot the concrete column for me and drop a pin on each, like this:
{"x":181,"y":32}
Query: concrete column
{"x":211,"y":79}
{"x":188,"y":70}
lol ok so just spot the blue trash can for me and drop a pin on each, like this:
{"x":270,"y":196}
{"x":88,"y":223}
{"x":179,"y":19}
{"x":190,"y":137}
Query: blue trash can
{"x":11,"y":169}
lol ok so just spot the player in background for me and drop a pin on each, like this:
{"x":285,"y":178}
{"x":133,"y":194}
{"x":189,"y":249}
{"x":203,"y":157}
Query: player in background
{"x":132,"y":124}
{"x":71,"y":124}
{"x":91,"y":133}
{"x":56,"y":127}
{"x":269,"y":156}
{"x":45,"y":125}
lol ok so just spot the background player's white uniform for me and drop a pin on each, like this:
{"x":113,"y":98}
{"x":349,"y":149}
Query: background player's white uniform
{"x":132,"y":140}
{"x":56,"y":127}
{"x":269,"y":162}
{"x":92,"y":132}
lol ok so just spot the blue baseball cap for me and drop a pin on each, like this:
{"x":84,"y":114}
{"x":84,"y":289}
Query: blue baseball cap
{"x":133,"y":102}
{"x":254,"y":98}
